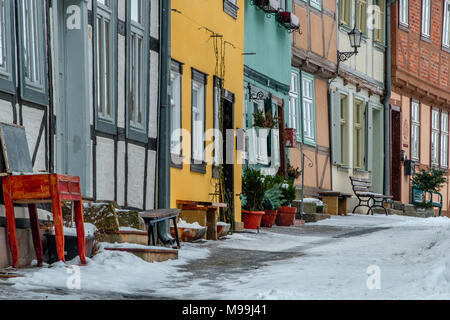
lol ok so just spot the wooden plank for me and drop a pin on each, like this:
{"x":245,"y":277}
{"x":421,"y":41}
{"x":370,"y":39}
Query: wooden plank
{"x":360,"y":179}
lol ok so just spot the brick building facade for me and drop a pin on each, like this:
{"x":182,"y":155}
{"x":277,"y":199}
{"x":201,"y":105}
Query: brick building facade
{"x":420,"y":99}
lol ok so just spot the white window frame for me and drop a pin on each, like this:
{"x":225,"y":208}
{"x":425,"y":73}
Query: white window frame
{"x":444,"y":140}
{"x":308,"y":108}
{"x":426,"y":18}
{"x":446,"y":25}
{"x":403,"y":12}
{"x":415,"y":130}
{"x":435,"y":137}
{"x":198,"y":121}
{"x":294,"y":110}
{"x":175,"y":104}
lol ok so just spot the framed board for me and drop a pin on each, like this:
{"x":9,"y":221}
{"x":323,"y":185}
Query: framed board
{"x":14,"y":155}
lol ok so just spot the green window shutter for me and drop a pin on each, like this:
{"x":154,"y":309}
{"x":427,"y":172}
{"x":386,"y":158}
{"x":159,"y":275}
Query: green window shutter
{"x":335,"y":111}
{"x":369,"y":138}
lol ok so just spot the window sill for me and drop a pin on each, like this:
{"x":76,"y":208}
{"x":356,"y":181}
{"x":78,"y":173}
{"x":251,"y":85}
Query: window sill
{"x":176,"y":161}
{"x":344,"y":27}
{"x":310,"y":143}
{"x":360,"y":171}
{"x":198,"y":167}
{"x":425,"y":38}
{"x":403,"y":27}
{"x":445,"y":48}
{"x":379,"y":45}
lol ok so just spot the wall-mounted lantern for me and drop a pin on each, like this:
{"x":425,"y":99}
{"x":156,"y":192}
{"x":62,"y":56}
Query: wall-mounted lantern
{"x":355,"y":37}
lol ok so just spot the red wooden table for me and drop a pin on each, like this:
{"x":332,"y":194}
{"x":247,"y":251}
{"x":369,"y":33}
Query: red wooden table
{"x":43,"y":188}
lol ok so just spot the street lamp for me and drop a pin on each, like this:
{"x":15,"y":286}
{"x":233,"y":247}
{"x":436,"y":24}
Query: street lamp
{"x":355,"y":41}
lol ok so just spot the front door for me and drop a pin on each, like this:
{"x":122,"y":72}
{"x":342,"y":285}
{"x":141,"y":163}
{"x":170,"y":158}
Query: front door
{"x":73,"y":147}
{"x":228,"y":148}
{"x":396,"y":153}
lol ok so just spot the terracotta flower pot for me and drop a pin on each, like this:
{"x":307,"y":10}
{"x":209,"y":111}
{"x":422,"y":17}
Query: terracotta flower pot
{"x":286,"y":216}
{"x":268,"y":219}
{"x":252,"y":219}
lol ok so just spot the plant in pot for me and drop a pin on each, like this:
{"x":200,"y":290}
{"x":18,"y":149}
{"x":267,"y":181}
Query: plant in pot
{"x":272,"y":202}
{"x":286,"y":213}
{"x":264,"y":120}
{"x":253,"y":189}
{"x":428,"y":182}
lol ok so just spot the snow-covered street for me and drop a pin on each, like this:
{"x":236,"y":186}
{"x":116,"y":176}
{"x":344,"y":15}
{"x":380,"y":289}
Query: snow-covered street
{"x":353,"y":257}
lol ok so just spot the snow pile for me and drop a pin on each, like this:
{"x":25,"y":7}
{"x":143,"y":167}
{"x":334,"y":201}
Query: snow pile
{"x":110,"y":271}
{"x":184,"y":224}
{"x":128,"y":229}
{"x":89,"y":230}
{"x":313,"y":200}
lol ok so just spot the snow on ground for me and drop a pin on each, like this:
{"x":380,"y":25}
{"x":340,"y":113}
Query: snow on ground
{"x":411,"y":254}
{"x":108,"y":271}
{"x":265,"y":241}
{"x":413,"y":258}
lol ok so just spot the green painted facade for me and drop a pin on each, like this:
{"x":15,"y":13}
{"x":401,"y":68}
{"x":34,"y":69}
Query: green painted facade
{"x":267,"y":66}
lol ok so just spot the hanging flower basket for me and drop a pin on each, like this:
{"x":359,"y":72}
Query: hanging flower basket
{"x":289,"y":20}
{"x":290,"y":134}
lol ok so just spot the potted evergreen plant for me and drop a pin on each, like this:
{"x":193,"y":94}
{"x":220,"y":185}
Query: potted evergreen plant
{"x":253,"y":189}
{"x":286,"y":213}
{"x":272,"y":202}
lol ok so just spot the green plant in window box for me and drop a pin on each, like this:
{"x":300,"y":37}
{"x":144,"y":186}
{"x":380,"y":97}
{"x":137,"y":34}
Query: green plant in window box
{"x":429,"y":181}
{"x":264,"y":120}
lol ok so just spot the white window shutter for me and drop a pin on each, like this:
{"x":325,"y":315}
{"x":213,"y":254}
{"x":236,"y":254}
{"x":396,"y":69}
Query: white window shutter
{"x":275,"y":148}
{"x":252,"y":145}
{"x":369,"y":138}
{"x":336,"y":127}
{"x":263,"y":134}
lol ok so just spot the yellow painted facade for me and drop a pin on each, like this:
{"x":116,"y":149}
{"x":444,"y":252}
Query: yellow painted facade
{"x":192,"y":24}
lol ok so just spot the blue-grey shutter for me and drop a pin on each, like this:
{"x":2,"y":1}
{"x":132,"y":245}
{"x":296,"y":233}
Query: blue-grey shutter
{"x":28,"y":92}
{"x":335,"y":112}
{"x":8,"y":76}
{"x":369,"y":138}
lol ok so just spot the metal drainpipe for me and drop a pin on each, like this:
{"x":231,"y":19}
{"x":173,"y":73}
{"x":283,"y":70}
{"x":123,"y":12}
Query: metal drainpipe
{"x":163,"y":164}
{"x":164,"y":112}
{"x":386,"y":99}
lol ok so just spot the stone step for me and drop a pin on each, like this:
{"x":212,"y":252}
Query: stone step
{"x":125,"y":236}
{"x":413,"y":211}
{"x":149,"y":254}
{"x":314,"y":217}
{"x":398,"y":205}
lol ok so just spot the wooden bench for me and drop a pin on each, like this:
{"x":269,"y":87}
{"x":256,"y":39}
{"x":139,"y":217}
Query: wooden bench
{"x":153,"y":217}
{"x":337,"y":202}
{"x":203,"y":212}
{"x":366,"y":197}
